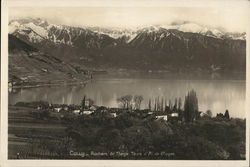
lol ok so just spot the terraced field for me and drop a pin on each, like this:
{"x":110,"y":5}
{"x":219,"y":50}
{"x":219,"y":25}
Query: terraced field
{"x":26,"y":131}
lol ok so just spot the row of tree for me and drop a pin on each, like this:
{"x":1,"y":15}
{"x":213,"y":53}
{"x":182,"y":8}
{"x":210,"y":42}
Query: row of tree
{"x":130,"y":102}
{"x":134,"y":102}
{"x":190,"y":111}
{"x":162,"y":105}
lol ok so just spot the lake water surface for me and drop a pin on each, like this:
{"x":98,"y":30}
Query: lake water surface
{"x":216,"y":95}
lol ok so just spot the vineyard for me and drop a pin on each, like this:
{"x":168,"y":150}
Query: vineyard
{"x":32,"y":138}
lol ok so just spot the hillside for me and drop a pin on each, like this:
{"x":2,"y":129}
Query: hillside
{"x":28,"y":65}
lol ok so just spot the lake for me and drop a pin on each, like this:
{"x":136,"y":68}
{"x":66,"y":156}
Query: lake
{"x":215,"y":95}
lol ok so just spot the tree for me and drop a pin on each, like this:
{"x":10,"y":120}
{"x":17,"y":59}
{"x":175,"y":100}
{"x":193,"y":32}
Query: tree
{"x":138,"y":99}
{"x":122,"y":101}
{"x":179,"y":104}
{"x":162,"y":104}
{"x":191,"y":106}
{"x":158,"y":104}
{"x":209,"y":113}
{"x":226,"y":115}
{"x":149,"y":104}
{"x":125,"y":101}
{"x":175,"y":102}
{"x":83,"y":102}
{"x":165,"y":104}
{"x":155,"y":107}
{"x":175,"y":105}
{"x":170,"y":104}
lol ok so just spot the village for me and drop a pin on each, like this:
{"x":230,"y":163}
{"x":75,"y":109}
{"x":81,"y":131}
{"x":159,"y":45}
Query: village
{"x":158,"y":108}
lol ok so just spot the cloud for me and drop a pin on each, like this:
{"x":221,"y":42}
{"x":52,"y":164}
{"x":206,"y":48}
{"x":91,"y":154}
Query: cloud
{"x":226,"y":18}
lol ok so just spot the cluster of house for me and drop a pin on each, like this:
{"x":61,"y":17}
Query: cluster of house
{"x":167,"y":115}
{"x":18,"y":80}
{"x":113,"y":112}
{"x":76,"y":109}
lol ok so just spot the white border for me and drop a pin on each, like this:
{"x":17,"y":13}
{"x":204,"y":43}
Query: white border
{"x":111,"y":3}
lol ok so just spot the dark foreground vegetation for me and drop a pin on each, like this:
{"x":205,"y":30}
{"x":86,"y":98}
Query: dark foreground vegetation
{"x":131,"y":132}
{"x":130,"y":135}
{"x":39,"y":130}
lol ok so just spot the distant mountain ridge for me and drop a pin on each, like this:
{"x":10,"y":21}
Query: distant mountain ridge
{"x":42,"y":28}
{"x":175,"y":47}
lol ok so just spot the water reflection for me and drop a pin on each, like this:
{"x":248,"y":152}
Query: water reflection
{"x":214,"y":95}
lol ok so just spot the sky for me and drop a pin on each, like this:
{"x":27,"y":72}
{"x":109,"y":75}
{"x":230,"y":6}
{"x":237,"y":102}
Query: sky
{"x":230,"y":19}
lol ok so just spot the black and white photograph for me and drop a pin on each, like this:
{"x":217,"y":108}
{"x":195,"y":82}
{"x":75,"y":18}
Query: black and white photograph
{"x":127,"y":83}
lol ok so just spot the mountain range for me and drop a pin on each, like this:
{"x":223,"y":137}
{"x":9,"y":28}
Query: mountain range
{"x":178,"y":47}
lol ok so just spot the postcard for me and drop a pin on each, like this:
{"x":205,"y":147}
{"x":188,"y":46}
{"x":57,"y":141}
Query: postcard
{"x":124,"y":83}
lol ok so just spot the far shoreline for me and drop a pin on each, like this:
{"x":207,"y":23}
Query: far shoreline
{"x":142,"y":74}
{"x":47,"y":84}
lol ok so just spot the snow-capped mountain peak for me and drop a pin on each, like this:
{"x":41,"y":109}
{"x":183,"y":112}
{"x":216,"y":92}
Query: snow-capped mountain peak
{"x":191,"y":27}
{"x":150,"y":29}
{"x":37,"y":30}
{"x":13,"y":27}
{"x":195,"y":28}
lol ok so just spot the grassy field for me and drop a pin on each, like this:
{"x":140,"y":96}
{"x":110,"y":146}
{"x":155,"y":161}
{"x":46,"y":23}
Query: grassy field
{"x":25,"y":130}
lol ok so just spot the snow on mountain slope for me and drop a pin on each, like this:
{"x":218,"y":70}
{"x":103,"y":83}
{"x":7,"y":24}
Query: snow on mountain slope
{"x":176,"y":45}
{"x":196,"y":28}
{"x":13,"y":27}
{"x":34,"y":32}
{"x":150,"y":29}
{"x":191,"y":27}
{"x":115,"y":33}
{"x":38,"y":30}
